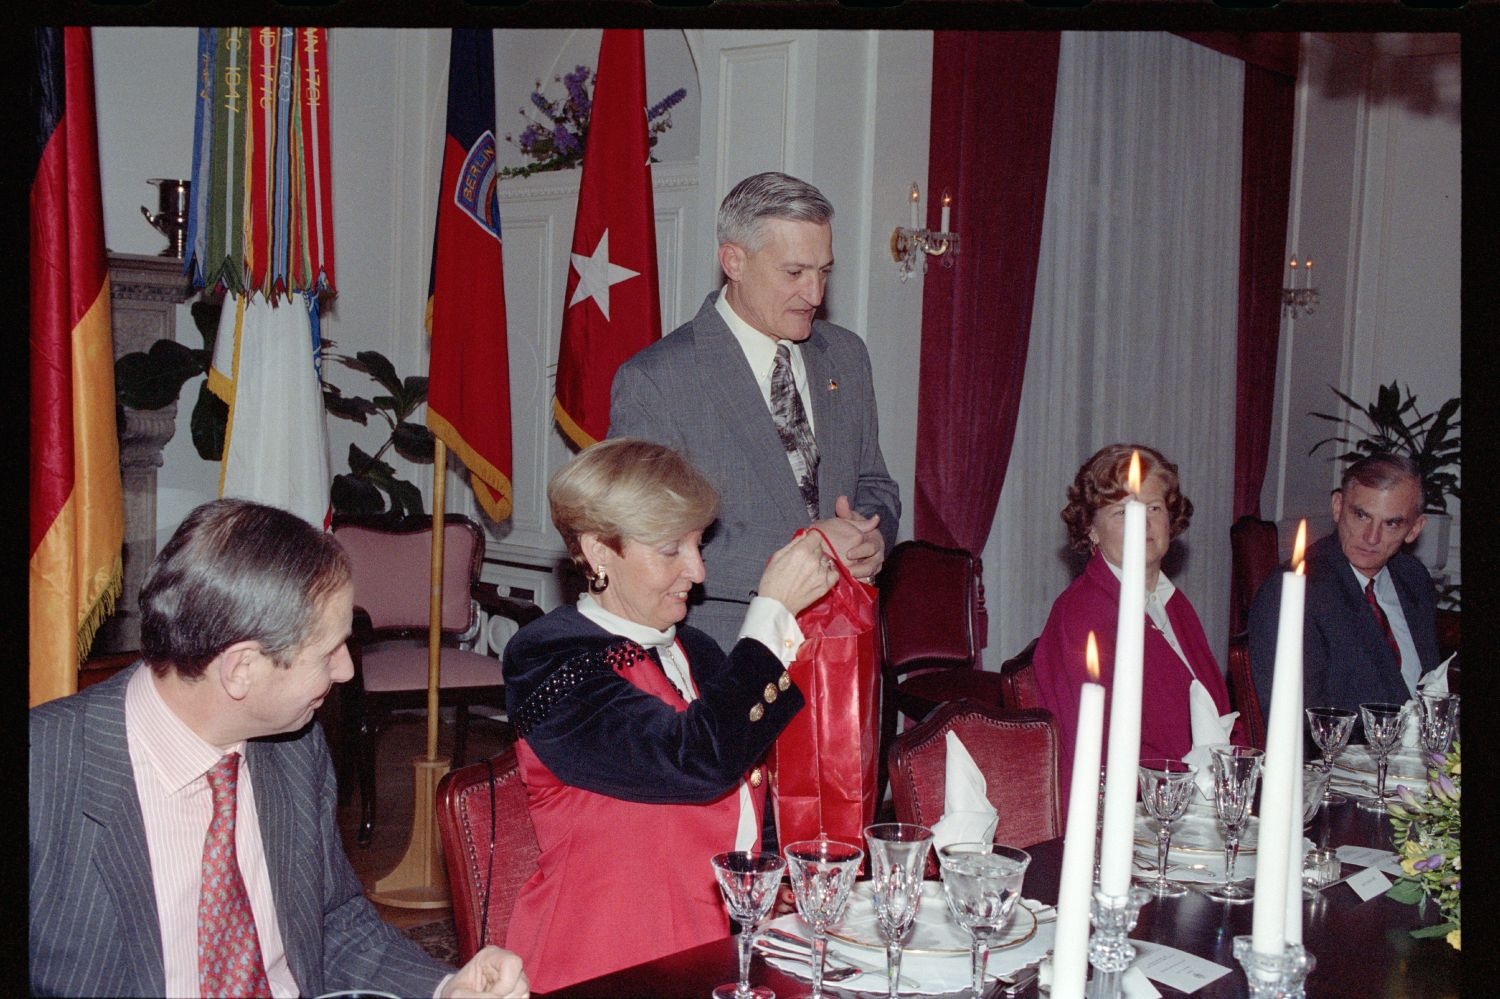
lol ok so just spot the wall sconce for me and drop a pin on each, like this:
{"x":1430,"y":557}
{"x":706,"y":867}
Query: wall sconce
{"x":911,"y":246}
{"x":1295,"y":300}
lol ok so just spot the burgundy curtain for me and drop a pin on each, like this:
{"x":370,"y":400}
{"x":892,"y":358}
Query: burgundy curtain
{"x":992,"y":97}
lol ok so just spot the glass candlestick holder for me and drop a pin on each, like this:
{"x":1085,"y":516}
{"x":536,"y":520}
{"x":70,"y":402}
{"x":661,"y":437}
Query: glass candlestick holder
{"x":1278,"y":976}
{"x":1110,"y":952}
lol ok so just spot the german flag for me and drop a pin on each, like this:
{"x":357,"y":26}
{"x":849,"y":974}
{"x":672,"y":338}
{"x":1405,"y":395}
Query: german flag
{"x":77,"y":511}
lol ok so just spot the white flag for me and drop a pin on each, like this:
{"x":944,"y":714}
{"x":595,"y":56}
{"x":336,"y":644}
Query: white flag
{"x":276,"y":443}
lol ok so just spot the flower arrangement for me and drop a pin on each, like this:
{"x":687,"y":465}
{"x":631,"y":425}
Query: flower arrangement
{"x":1427,"y":836}
{"x":557,"y":141}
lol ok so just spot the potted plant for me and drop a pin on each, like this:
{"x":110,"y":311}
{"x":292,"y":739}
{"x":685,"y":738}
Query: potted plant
{"x":1432,"y":440}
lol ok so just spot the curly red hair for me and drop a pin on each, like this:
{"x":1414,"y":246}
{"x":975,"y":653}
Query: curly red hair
{"x":1102,"y":480}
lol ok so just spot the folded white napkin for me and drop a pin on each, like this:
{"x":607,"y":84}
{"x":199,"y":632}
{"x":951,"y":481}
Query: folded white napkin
{"x":1209,"y":729}
{"x":968,"y":816}
{"x":1434,"y":682}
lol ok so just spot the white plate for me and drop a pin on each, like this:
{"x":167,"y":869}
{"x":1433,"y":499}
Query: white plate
{"x":1195,"y":832}
{"x":933,"y":932}
{"x":1405,"y":764}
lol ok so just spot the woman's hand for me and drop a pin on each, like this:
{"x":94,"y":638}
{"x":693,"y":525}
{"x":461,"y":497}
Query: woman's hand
{"x":799,"y":573}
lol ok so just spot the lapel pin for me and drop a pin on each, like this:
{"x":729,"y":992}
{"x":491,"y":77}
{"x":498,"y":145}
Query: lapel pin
{"x":833,"y":386}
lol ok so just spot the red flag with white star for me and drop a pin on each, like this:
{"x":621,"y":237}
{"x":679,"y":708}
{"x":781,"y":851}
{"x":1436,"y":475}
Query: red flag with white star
{"x":611,"y":307}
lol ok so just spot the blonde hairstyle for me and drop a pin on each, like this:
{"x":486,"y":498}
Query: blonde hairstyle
{"x":1103,"y":480}
{"x":628,"y":488}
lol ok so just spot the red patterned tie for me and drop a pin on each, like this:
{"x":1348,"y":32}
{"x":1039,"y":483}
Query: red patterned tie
{"x":229,"y":961}
{"x":1385,"y":622}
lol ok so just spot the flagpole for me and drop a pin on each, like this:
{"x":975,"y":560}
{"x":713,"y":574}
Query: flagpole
{"x":420,"y":881}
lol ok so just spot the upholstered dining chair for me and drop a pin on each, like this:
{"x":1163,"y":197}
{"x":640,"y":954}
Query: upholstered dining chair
{"x":392,"y":586}
{"x":931,"y":632}
{"x":1242,"y":696}
{"x":489,"y":847}
{"x":1018,"y":687}
{"x":1254,"y":554}
{"x":1017,"y":751}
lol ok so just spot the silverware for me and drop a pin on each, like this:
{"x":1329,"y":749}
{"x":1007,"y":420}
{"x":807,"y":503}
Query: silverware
{"x":803,"y":944}
{"x":832,"y":972}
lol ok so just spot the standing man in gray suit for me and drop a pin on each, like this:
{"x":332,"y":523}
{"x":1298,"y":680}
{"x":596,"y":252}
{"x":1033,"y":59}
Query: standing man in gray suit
{"x":774,"y":405}
{"x":182,"y":832}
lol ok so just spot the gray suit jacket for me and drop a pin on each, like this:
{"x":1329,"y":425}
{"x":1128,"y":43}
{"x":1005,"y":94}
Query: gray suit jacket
{"x":94,"y":926}
{"x":1345,"y":658}
{"x":694,"y":391}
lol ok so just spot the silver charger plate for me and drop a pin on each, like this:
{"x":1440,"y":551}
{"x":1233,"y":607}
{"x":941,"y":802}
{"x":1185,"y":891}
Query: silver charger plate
{"x":1404,"y":764}
{"x":1195,"y":832}
{"x":934,"y":932}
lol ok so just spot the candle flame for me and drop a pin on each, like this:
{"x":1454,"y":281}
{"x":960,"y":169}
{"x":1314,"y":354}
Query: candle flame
{"x":1135,"y":472}
{"x":1309,"y":263}
{"x":1091,"y":659}
{"x":1300,"y":546}
{"x":1293,"y":263}
{"x":916,"y":195}
{"x":947,"y":199}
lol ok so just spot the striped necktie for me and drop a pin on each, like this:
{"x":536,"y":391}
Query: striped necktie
{"x":791,"y":425}
{"x":1382,"y":620}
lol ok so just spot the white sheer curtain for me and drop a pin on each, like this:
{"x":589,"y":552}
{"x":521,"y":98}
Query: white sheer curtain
{"x":1133,"y":331}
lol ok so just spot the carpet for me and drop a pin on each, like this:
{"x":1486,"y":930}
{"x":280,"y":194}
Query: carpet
{"x":437,"y":938}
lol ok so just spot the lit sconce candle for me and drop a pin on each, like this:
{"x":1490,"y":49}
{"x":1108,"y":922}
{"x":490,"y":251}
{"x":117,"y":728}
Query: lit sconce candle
{"x":947,"y":209}
{"x":1307,"y":274}
{"x":1293,"y":265}
{"x":1278,"y":848}
{"x":1070,"y":953}
{"x":1122,"y":780}
{"x":916,"y":198}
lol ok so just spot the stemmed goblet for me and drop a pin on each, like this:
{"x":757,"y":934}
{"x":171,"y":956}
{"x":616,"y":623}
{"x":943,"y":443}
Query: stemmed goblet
{"x":748,"y":882}
{"x":1236,"y":771}
{"x":1314,"y":780}
{"x":1330,"y":729}
{"x":898,"y":855}
{"x":1437,"y":721}
{"x":1383,"y":722}
{"x":1167,"y":787}
{"x":822,"y":872}
{"x":982,"y":882}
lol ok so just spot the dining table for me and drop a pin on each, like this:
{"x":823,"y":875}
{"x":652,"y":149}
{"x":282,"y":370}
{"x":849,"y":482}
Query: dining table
{"x":1362,"y":948}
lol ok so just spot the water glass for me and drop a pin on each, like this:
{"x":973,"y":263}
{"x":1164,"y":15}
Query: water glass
{"x":748,"y":882}
{"x":822,"y":872}
{"x":1331,"y":728}
{"x":982,"y":882}
{"x":898,"y":855}
{"x":1383,"y":723}
{"x":1236,"y":772}
{"x":1167,"y":788}
{"x":1437,"y":721}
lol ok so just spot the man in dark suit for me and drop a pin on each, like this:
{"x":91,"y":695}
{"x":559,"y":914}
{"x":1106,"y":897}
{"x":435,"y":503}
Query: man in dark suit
{"x":775,"y":406}
{"x":1369,"y":629}
{"x":182,"y":830}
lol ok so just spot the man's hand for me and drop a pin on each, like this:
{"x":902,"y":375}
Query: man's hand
{"x":493,"y":971}
{"x":855,"y":538}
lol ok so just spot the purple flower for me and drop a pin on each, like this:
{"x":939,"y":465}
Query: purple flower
{"x":566,"y":142}
{"x":666,"y":104}
{"x":1432,"y":863}
{"x":577,"y":96}
{"x":541,"y":104}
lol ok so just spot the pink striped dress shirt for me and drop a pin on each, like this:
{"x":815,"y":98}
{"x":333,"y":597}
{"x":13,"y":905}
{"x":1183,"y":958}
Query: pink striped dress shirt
{"x":171,"y":763}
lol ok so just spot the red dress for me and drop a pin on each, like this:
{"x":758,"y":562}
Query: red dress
{"x":1092,"y":603}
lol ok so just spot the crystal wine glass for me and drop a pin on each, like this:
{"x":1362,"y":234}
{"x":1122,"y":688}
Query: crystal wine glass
{"x":822,"y":872}
{"x":1383,"y":723}
{"x":1330,"y":729}
{"x":898,"y":855}
{"x":1236,"y":771}
{"x":1314,"y":781}
{"x":1167,"y":787}
{"x":982,"y":882}
{"x":1437,"y":721}
{"x":748,"y":882}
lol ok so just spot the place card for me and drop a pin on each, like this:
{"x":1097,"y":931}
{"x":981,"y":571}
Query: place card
{"x":1136,"y":985}
{"x":1368,"y":883}
{"x":1369,"y":856}
{"x":1176,"y":968}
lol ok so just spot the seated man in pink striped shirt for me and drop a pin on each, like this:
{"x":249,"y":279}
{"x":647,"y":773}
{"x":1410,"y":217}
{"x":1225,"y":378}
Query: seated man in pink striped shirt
{"x":182,"y":831}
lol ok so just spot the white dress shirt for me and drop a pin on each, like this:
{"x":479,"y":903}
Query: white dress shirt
{"x":760,"y":351}
{"x":766,"y":621}
{"x":171,"y":765}
{"x":1390,"y":602}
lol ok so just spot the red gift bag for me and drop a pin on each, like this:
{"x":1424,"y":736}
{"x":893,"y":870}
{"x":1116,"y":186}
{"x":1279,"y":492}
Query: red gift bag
{"x":824,"y":764}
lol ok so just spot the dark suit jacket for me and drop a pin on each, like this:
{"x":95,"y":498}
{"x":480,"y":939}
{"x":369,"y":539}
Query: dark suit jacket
{"x":94,"y":926}
{"x":1345,"y":658}
{"x":694,"y":391}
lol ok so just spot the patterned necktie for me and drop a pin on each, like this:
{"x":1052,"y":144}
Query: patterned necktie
{"x":791,"y":425}
{"x":1385,"y":622}
{"x":229,"y":961}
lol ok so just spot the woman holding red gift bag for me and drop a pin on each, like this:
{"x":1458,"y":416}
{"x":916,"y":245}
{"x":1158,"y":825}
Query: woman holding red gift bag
{"x":640,"y":740}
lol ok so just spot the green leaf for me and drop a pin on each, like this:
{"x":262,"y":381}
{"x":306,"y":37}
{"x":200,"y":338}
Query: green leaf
{"x":351,"y":495}
{"x":346,"y":407}
{"x":209,"y":423}
{"x":206,"y":317}
{"x":414,"y":442}
{"x":1440,"y":930}
{"x":405,"y":497}
{"x":1406,"y":890}
{"x":154,"y":378}
{"x":380,"y":369}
